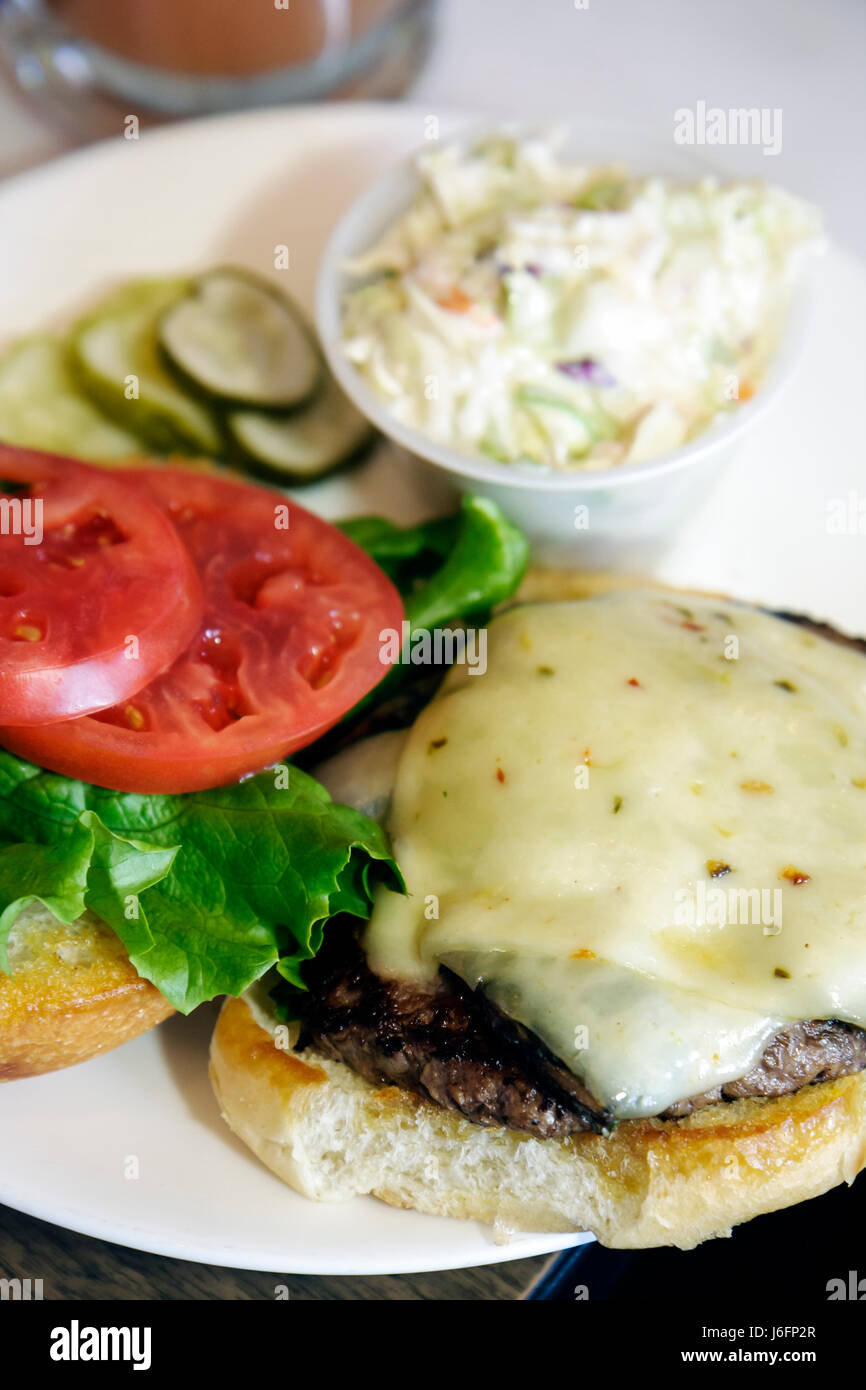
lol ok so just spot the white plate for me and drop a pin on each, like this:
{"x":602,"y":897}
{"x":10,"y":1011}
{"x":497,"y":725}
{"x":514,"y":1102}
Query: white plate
{"x":234,"y":189}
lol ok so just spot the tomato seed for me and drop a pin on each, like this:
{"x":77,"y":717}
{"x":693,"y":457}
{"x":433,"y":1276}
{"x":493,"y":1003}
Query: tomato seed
{"x":134,"y":717}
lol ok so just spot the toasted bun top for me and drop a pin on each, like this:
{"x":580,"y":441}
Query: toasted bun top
{"x":72,"y":993}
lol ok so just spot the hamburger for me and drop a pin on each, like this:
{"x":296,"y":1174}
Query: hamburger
{"x":625,"y":990}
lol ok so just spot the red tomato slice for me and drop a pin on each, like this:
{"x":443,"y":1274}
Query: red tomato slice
{"x":288,"y":643}
{"x":97,"y":593}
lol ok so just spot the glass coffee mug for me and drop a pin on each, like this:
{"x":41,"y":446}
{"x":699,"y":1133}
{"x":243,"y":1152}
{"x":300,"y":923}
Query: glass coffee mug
{"x":89,"y":62}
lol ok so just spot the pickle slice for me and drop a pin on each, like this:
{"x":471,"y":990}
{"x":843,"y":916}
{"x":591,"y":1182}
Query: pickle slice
{"x":308,"y":443}
{"x":42,"y":407}
{"x":116,"y":354}
{"x":237,"y":339}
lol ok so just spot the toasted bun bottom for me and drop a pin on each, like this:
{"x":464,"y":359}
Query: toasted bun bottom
{"x":72,"y":993}
{"x":331,"y":1135}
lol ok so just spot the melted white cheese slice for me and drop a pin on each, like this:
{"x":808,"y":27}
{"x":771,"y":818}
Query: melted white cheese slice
{"x":559,"y":820}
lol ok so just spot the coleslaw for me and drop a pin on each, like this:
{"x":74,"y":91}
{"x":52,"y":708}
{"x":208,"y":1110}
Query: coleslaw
{"x":546,"y":313}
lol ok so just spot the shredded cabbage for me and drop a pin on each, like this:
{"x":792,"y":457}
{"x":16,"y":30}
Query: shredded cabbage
{"x":542,"y":312}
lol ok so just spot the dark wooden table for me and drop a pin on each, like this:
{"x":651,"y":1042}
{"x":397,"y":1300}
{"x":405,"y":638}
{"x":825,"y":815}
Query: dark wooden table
{"x":77,"y":1267}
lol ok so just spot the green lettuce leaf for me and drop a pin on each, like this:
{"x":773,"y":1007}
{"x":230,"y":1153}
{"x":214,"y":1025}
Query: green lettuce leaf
{"x":449,"y":571}
{"x":206,"y":890}
{"x":458,"y":566}
{"x":407,"y":554}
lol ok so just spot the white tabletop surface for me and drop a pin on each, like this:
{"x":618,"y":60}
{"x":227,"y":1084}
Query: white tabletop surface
{"x":639,"y":61}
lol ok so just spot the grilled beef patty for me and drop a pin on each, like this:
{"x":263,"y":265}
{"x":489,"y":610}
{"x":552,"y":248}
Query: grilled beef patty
{"x":819,"y":1050}
{"x":449,"y":1043}
{"x":446,"y":1043}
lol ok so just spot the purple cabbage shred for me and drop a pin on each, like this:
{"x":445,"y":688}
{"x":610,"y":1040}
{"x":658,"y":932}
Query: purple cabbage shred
{"x":588,"y":370}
